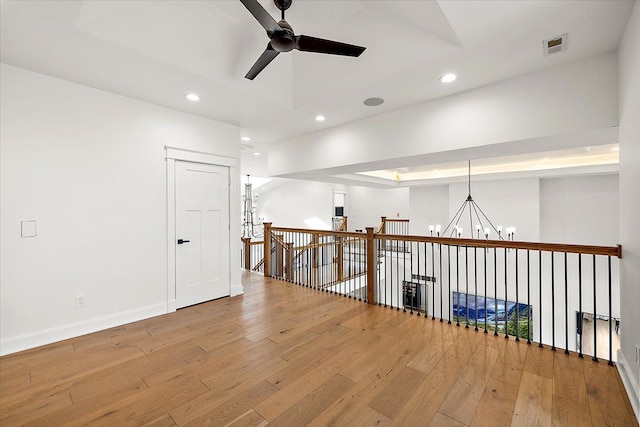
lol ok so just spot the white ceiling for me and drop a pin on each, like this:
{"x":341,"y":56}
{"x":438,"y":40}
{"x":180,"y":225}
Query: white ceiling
{"x":158,"y":51}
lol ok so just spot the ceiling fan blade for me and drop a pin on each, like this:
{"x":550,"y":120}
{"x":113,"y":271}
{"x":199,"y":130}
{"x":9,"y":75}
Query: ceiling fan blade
{"x":313,"y":44}
{"x":264,"y":60}
{"x":262,"y":16}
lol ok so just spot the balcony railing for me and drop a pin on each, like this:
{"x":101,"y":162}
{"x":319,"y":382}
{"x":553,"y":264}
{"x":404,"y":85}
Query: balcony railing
{"x":252,"y":255}
{"x":535,"y":292}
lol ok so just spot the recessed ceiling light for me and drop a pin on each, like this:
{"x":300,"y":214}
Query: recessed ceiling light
{"x":320,"y":118}
{"x":373,"y":102}
{"x":193,"y":97}
{"x":448,"y":78}
{"x":615,"y":149}
{"x":546,"y":159}
{"x":257,"y":153}
{"x":245,"y":138}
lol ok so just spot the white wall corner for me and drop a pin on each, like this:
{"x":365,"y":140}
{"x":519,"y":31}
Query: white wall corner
{"x":630,"y":384}
{"x":51,"y":335}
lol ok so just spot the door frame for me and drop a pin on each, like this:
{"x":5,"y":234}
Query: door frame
{"x":173,"y":154}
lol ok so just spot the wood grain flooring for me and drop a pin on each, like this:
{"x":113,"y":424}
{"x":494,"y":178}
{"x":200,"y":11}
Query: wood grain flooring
{"x":285,"y":355}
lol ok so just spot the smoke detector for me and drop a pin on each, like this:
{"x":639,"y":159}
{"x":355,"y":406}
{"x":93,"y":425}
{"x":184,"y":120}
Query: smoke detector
{"x":555,"y":45}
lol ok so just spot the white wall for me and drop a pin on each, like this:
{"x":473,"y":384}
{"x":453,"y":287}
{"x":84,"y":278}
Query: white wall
{"x":497,"y":119}
{"x":297,"y":204}
{"x":89,"y":167}
{"x":580,"y":210}
{"x":309,"y":204}
{"x":629,"y":99}
{"x":429,"y":206}
{"x":366,"y":205}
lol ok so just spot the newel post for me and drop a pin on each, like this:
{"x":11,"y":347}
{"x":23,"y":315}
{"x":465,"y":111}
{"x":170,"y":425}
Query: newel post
{"x":279,"y":257}
{"x":289,"y":261}
{"x":383,"y":229}
{"x":371,"y":267}
{"x":247,"y":252}
{"x":267,"y":249}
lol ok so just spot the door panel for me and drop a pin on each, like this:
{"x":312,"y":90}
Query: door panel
{"x":202,"y":219}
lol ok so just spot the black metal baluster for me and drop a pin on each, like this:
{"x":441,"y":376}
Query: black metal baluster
{"x":418,"y":281}
{"x":303,"y":238}
{"x":610,"y":318}
{"x":433,"y":283}
{"x":495,"y":291}
{"x":389,"y":245}
{"x":466,"y":281}
{"x":440,"y":281}
{"x":398,"y":274}
{"x":426,"y":268}
{"x":418,"y":292}
{"x":595,"y":314}
{"x":475,"y":276}
{"x":506,"y":308}
{"x":566,"y":307}
{"x":517,"y":300}
{"x":553,"y":303}
{"x":404,"y":270}
{"x":484,"y":260}
{"x":449,"y":280}
{"x":528,"y":299}
{"x":321,"y":264}
{"x":379,"y":267}
{"x":580,"y":315}
{"x":540,"y":295}
{"x":458,"y":284}
{"x":362,"y":260}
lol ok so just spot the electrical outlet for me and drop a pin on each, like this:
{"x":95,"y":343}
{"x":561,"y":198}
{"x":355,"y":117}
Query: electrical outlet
{"x":80,"y":301}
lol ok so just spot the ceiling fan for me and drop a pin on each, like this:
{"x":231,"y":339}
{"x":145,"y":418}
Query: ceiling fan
{"x":283,"y":39}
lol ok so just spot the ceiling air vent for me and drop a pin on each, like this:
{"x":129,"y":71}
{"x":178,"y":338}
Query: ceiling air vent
{"x":555,"y":45}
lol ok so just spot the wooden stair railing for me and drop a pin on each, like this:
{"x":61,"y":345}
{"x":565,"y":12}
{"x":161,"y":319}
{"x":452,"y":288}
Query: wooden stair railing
{"x":339,"y":223}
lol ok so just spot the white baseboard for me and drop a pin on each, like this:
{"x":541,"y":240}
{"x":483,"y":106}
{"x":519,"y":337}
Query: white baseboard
{"x":59,"y":333}
{"x":236,"y":290}
{"x":630,"y":383}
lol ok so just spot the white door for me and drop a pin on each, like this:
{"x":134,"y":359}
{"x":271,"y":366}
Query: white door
{"x":202,"y":233}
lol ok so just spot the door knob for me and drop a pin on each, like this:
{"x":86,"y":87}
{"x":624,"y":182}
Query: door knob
{"x":181,"y":241}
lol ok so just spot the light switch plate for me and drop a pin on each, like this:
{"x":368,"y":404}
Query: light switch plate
{"x":28,"y":228}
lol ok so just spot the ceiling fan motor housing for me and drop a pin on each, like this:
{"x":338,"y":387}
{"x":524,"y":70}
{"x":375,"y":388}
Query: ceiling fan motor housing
{"x":285,"y":40}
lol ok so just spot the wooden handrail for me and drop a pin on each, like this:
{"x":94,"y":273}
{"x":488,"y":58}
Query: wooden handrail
{"x":549,"y":247}
{"x":509,"y":244}
{"x":321,"y":233}
{"x":396,"y":220}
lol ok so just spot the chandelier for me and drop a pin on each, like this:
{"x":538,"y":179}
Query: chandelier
{"x":469,"y":210}
{"x":250,"y":228}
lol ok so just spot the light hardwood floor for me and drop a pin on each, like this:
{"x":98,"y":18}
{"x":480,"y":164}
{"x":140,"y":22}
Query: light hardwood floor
{"x":285,"y":355}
